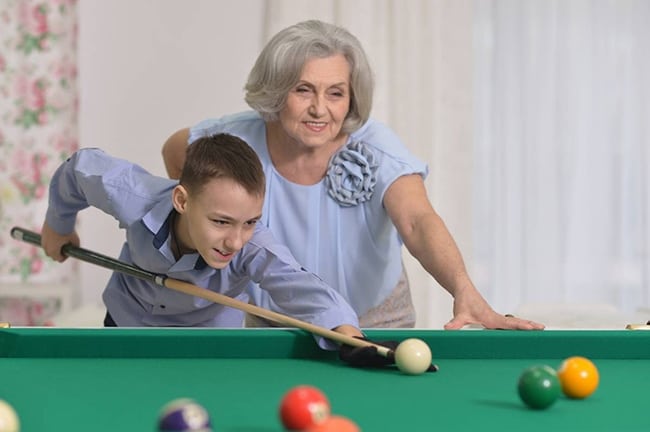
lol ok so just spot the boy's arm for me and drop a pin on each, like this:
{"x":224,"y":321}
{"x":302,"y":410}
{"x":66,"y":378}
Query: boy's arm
{"x":92,"y":178}
{"x":303,"y":295}
{"x":66,"y":199}
{"x":293,"y":290}
{"x":349,"y":330}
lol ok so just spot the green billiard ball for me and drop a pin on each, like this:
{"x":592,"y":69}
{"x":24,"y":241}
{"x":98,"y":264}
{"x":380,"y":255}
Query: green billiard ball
{"x":539,"y":386}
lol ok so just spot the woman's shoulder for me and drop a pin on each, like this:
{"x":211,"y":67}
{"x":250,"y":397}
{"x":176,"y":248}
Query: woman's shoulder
{"x":375,"y":131}
{"x":236,"y":124}
{"x":385,"y":143}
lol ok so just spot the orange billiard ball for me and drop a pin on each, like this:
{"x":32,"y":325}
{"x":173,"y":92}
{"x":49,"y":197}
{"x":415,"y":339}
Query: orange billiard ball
{"x":335,"y":424}
{"x":578,"y":377}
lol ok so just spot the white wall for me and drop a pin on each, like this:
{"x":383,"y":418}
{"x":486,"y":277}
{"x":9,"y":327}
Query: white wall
{"x":146,"y":69}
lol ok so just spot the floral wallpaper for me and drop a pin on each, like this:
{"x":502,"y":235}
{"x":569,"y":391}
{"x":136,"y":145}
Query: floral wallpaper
{"x":38,"y":130}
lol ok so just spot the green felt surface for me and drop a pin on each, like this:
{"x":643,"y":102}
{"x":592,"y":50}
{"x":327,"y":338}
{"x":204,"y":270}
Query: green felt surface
{"x":118,"y":379}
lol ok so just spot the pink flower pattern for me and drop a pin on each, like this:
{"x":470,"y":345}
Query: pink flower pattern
{"x":38,"y":130}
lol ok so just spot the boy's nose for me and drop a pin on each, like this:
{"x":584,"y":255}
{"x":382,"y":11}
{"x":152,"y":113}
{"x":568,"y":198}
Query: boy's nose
{"x":234,"y":241}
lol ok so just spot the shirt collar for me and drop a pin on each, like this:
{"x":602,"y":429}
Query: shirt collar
{"x":159,"y":221}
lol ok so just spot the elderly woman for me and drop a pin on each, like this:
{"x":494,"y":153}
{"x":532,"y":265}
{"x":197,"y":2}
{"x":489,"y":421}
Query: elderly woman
{"x":343,"y":192}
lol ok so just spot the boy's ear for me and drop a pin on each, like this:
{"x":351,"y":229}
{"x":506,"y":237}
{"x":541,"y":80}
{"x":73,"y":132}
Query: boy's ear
{"x":179,"y":198}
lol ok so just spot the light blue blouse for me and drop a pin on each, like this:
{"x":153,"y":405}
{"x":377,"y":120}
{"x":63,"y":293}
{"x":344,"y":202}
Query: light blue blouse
{"x":142,"y":205}
{"x":337,"y":228}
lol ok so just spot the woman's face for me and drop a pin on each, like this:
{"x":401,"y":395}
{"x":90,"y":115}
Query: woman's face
{"x":318,"y":104}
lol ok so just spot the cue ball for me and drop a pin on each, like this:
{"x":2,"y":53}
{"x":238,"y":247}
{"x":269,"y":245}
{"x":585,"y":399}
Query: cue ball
{"x":304,"y":406}
{"x":578,"y":377}
{"x":335,"y":424}
{"x":183,"y":415}
{"x":8,"y":418}
{"x":539,"y":387}
{"x":413,"y":356}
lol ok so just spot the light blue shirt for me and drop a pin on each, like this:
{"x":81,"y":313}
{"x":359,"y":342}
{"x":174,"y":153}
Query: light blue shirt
{"x":142,"y":205}
{"x":353,"y":246}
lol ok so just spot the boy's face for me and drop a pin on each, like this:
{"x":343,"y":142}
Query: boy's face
{"x":218,"y":221}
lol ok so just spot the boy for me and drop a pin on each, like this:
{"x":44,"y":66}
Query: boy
{"x":202,"y":229}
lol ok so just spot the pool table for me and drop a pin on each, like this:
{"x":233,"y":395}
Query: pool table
{"x":117,"y":379}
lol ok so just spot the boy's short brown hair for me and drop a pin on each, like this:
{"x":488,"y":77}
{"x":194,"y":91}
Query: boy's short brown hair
{"x":222,"y":156}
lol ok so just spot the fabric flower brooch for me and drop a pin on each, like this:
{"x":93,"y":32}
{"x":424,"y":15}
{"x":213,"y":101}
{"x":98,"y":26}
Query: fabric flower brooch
{"x":351,"y":178}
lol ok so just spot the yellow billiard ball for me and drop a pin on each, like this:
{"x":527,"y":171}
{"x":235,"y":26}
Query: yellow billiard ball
{"x":578,"y":376}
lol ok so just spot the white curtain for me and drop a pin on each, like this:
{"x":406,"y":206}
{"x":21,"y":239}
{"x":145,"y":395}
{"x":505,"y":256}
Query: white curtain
{"x":561,"y":188}
{"x":533,"y":116}
{"x":38,"y":130}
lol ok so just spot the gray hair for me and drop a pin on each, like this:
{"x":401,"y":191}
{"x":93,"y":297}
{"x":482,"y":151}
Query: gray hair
{"x":280,"y":63}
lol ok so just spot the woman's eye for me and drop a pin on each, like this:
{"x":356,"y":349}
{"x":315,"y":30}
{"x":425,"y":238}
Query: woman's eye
{"x":302,"y":90}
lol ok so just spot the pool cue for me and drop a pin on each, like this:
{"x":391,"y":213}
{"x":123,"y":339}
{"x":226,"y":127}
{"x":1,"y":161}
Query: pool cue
{"x":196,"y":291}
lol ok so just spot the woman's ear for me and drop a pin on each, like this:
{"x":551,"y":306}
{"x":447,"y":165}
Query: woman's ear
{"x":179,"y":198}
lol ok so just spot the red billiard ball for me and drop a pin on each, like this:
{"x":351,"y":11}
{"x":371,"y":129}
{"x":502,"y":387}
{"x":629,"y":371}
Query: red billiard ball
{"x":579,"y":377}
{"x":183,"y":415}
{"x":303,"y":407}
